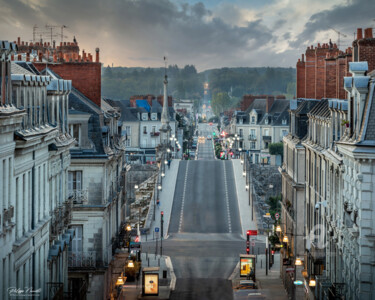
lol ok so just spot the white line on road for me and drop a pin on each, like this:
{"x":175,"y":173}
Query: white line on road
{"x":227,"y":199}
{"x":183,"y":197}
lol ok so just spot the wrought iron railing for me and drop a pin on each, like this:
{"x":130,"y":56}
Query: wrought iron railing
{"x":90,"y":259}
{"x":79,"y":196}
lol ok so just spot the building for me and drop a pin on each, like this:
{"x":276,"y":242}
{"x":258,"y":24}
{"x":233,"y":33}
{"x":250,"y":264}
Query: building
{"x":34,"y":150}
{"x":264,"y":122}
{"x":141,"y":123}
{"x":321,"y":74}
{"x":293,"y":195}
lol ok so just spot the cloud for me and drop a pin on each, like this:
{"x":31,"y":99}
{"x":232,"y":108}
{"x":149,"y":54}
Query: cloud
{"x":225,"y":33}
{"x":345,"y":18}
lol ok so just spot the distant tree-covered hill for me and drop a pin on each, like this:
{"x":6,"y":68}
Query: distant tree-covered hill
{"x":121,"y":82}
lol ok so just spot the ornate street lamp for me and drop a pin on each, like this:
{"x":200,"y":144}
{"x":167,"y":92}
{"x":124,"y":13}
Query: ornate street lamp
{"x":285,"y":239}
{"x":278,"y":228}
{"x":298,"y":262}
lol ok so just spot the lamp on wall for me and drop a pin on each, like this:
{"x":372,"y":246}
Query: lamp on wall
{"x":278,"y":228}
{"x":298,"y":262}
{"x":285,"y":239}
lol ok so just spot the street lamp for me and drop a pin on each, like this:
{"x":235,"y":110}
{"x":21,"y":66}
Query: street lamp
{"x":243,"y":173}
{"x":136,"y":186}
{"x":278,"y":228}
{"x":159,"y":187}
{"x":312,"y":283}
{"x":247,"y":187}
{"x":130,"y":264}
{"x":162,"y":174}
{"x":298,"y":262}
{"x":285,"y":239}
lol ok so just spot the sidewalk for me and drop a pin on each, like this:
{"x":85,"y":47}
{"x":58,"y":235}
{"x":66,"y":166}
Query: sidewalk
{"x":270,"y":285}
{"x":166,"y":196}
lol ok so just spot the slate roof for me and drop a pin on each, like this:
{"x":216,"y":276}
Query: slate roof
{"x":370,"y":130}
{"x":278,"y":112}
{"x":321,"y":109}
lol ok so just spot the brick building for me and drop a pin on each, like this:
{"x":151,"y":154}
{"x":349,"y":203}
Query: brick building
{"x":67,"y":62}
{"x":321,"y":74}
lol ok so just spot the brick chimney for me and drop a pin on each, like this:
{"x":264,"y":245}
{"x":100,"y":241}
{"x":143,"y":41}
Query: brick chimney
{"x":97,"y":55}
{"x":359,"y":34}
{"x":269,"y":102}
{"x":368,"y":33}
{"x":18,"y":41}
{"x":27,"y":56}
{"x":19,"y":58}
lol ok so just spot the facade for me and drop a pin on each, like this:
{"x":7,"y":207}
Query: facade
{"x":35,"y":157}
{"x":95,"y":183}
{"x":141,"y":124}
{"x":293,"y":194}
{"x":264,"y":122}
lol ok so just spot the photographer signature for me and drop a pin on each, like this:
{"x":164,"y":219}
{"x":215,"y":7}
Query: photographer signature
{"x":28,"y":291}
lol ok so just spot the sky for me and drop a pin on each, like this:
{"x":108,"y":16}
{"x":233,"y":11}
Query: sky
{"x":208,"y":34}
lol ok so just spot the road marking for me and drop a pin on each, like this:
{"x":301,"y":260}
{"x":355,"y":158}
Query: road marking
{"x":227,"y":199}
{"x":183,"y":198}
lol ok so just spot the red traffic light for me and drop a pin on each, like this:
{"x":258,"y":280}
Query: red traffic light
{"x":247,"y":250}
{"x":162,"y":213}
{"x":273,"y":252}
{"x":248,"y":232}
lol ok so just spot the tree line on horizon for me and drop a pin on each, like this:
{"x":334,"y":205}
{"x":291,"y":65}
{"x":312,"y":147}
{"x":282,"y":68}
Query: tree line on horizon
{"x":187,"y":83}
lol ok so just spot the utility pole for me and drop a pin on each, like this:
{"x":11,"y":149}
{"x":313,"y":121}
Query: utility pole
{"x":161,"y":232}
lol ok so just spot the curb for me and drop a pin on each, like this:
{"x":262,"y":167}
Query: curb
{"x":169,"y":265}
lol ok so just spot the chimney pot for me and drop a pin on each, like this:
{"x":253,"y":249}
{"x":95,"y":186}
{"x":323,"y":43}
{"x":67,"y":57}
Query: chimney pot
{"x":19,"y":57}
{"x":368,"y":33}
{"x":97,"y":55}
{"x":319,"y":45}
{"x":27,"y":56}
{"x":18,"y":41}
{"x":12,"y":57}
{"x":303,"y":57}
{"x":359,"y":34}
{"x":64,"y":43}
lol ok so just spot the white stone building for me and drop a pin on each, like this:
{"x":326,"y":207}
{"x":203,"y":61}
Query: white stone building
{"x":34,"y":155}
{"x":265,"y":121}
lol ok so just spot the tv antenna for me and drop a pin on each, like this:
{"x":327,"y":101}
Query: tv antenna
{"x":339,"y":34}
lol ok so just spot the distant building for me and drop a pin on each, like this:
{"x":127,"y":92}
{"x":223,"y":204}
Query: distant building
{"x":264,"y":122}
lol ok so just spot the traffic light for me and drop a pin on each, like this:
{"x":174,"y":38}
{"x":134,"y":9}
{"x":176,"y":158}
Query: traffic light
{"x":248,"y":242}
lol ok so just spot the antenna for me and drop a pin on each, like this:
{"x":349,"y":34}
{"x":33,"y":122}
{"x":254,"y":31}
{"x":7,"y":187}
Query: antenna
{"x":338,"y":33}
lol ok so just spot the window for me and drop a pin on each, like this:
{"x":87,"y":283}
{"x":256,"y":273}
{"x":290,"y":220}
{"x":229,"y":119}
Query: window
{"x":144,"y":129}
{"x":284,"y":121}
{"x":252,"y":145}
{"x":154,"y":116}
{"x":284,"y":132}
{"x":77,"y":242}
{"x":74,"y":181}
{"x":153,"y":129}
{"x":252,"y":119}
{"x":241,"y":121}
{"x":240,"y":133}
{"x":266,"y":132}
{"x":144,"y":117}
{"x":75,"y":132}
{"x":128,"y":142}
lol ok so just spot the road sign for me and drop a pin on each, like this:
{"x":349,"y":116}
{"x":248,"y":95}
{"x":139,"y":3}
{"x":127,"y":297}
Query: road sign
{"x":289,"y":270}
{"x":156,"y":229}
{"x":253,"y":243}
{"x":277,"y":216}
{"x":247,"y":243}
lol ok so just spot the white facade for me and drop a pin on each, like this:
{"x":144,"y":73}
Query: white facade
{"x":34,"y":156}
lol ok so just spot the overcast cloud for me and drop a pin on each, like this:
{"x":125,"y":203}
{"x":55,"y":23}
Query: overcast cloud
{"x":208,"y":34}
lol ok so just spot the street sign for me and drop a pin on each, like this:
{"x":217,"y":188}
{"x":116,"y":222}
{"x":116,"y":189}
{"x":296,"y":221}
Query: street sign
{"x":253,"y":243}
{"x":289,"y":270}
{"x":277,"y":216}
{"x":156,"y":229}
{"x":247,"y":243}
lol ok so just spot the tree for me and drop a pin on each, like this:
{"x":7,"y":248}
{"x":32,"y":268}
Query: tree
{"x":220,"y":102}
{"x":276,"y":148}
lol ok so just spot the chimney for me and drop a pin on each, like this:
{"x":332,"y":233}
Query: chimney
{"x":359,"y":34}
{"x":40,"y":55}
{"x":27,"y":56}
{"x":368,"y":33}
{"x":303,"y":57}
{"x":83,"y":55}
{"x":12,"y":57}
{"x":18,"y":41}
{"x":54,"y":57}
{"x":79,"y":58}
{"x":64,"y":43}
{"x":97,"y":55}
{"x":19,"y":58}
{"x":269,"y":102}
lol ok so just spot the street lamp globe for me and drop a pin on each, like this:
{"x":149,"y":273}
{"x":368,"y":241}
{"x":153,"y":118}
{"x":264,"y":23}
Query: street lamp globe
{"x":278,"y":228}
{"x":159,"y":187}
{"x":162,"y":174}
{"x":168,"y":150}
{"x":136,"y":186}
{"x":298,"y":262}
{"x":130,"y":264}
{"x":165,"y":161}
{"x":285,"y":239}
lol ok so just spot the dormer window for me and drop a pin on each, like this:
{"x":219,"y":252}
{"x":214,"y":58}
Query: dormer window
{"x":284,"y":121}
{"x":266,"y":121}
{"x":154,"y":117}
{"x":240,"y":121}
{"x":144,"y":117}
{"x":252,"y":119}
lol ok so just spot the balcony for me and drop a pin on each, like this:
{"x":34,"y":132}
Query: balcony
{"x":267,"y":138}
{"x":60,"y":219}
{"x":317,"y":252}
{"x":252,"y":137}
{"x":80,"y":197}
{"x":86,"y":260}
{"x":154,"y":134}
{"x":336,"y":291}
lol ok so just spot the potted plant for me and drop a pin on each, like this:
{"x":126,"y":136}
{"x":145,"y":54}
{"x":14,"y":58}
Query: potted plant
{"x":345,"y":123}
